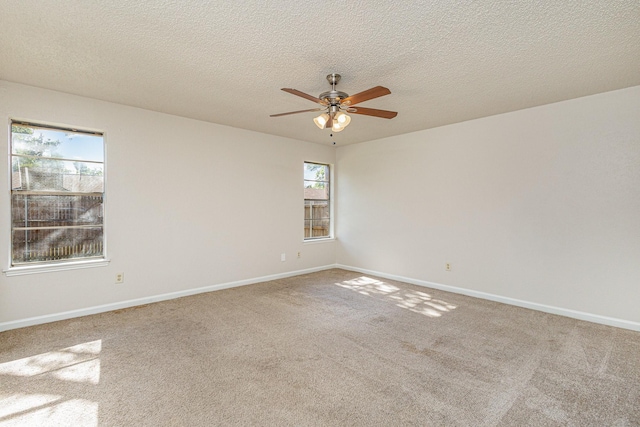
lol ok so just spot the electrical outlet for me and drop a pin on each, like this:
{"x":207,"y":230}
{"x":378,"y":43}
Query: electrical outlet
{"x":299,"y":254}
{"x":447,"y":266}
{"x":120,"y":278}
{"x":283,"y":257}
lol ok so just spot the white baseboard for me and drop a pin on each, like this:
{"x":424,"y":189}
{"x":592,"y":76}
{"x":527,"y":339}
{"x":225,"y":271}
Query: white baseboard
{"x":580,"y":315}
{"x":31,"y":321}
{"x":595,"y":318}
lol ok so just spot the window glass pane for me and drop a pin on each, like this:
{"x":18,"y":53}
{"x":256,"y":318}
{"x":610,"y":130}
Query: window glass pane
{"x":316,"y":190}
{"x":35,"y":210}
{"x":43,"y":174}
{"x":316,"y":205}
{"x":319,"y":228}
{"x":57,"y":186}
{"x":316,"y":172}
{"x":324,"y":226}
{"x":316,"y":209}
{"x":34,"y":141}
{"x":56,"y":244}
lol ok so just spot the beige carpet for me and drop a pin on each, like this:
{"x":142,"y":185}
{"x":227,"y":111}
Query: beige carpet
{"x":334,"y":348}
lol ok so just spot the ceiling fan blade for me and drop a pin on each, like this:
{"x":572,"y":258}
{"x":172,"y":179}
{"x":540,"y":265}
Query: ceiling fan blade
{"x":296,"y":112}
{"x":304,"y":95}
{"x":368,"y":94}
{"x":385,"y":114}
{"x":329,"y":124}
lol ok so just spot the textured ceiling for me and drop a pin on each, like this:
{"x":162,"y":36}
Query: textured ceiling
{"x":225,"y":62}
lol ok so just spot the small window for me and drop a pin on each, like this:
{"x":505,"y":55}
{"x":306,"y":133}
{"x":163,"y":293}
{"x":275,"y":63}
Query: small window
{"x":57,"y":194}
{"x":317,"y":203}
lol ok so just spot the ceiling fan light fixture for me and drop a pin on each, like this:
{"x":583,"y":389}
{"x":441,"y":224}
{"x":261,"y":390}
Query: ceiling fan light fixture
{"x":343,"y":119}
{"x":337,"y":127}
{"x":321,"y":120}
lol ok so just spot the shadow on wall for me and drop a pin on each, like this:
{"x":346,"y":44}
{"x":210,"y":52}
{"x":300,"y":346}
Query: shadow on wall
{"x":76,"y":364}
{"x":416,"y":301}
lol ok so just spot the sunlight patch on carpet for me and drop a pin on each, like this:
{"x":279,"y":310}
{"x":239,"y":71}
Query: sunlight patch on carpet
{"x":47,"y":410}
{"x":415,"y":301}
{"x":77,"y":364}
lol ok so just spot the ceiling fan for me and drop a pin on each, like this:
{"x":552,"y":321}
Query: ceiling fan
{"x":335,"y":104}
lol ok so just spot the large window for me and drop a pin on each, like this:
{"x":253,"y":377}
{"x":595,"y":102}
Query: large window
{"x":57,"y":194}
{"x":317,"y":204}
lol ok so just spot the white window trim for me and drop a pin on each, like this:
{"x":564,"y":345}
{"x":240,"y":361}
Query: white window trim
{"x":318,"y":240}
{"x":51,"y":267}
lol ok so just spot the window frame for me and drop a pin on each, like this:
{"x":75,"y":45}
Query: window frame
{"x":17,"y":268}
{"x":329,"y":200}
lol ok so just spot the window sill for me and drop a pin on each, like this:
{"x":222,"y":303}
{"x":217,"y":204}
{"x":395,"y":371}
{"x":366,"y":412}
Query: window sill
{"x":321,"y":240}
{"x":48,"y":268}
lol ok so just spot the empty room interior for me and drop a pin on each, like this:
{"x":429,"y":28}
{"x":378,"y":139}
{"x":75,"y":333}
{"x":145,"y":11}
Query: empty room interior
{"x":320,"y":214}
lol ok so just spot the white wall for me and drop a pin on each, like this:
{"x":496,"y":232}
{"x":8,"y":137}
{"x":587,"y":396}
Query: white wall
{"x":189,"y":204}
{"x":540,"y":205}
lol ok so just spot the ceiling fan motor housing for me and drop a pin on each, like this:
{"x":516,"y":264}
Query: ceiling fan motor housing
{"x":334,"y":96}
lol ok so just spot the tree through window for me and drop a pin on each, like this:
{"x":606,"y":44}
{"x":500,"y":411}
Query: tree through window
{"x":57,"y":194}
